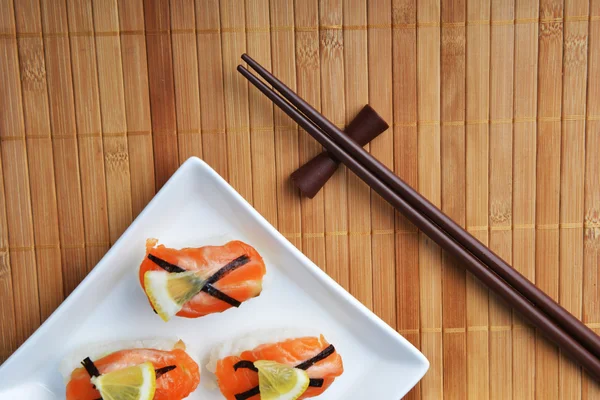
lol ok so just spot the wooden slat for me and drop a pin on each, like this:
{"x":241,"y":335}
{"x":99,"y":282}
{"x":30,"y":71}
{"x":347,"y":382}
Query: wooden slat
{"x":382,"y":214}
{"x":8,"y":339}
{"x":331,"y":45}
{"x":306,"y":18}
{"x":591,"y":250}
{"x":17,"y":192}
{"x":233,"y":39}
{"x":453,"y":92}
{"x":65,"y":149}
{"x":405,"y":165}
{"x":286,"y":130}
{"x":359,"y":199}
{"x":89,"y":130}
{"x":476,"y":131}
{"x":212,"y":108}
{"x":162,"y":90}
{"x":185,"y":71}
{"x":262,"y":130}
{"x":39,"y":156}
{"x":572,"y":171}
{"x":114,"y":124}
{"x":500,"y":201}
{"x":548,"y":181}
{"x":524,"y":162}
{"x":137,"y":103}
{"x":430,"y":271}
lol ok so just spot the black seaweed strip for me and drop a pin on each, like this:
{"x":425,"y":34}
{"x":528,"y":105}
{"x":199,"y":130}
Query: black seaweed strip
{"x":230,"y":267}
{"x":329,"y":350}
{"x":247,"y":394}
{"x":214,"y":292}
{"x":161,"y":371}
{"x":89,"y":366}
{"x":245,"y":364}
{"x":316,"y":382}
{"x":167,"y":266}
{"x":208,"y":288}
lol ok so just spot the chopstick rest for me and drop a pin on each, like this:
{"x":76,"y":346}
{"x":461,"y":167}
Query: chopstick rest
{"x":313,"y":175}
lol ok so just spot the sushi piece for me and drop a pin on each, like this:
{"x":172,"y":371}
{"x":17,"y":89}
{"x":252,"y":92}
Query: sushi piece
{"x":297,"y":368}
{"x":161,"y":372}
{"x":193,"y":282}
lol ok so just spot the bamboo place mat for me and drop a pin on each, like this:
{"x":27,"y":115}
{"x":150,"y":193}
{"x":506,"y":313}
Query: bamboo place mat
{"x":495,"y":115}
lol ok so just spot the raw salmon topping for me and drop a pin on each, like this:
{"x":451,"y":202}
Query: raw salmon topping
{"x":175,"y":384}
{"x":234,"y":272}
{"x":239,"y":381}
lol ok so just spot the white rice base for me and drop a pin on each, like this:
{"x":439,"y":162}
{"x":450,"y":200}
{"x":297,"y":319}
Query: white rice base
{"x":249,"y":341}
{"x":99,"y":350}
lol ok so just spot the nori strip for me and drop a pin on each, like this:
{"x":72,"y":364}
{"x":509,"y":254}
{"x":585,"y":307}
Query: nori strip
{"x":230,"y":267}
{"x":89,"y":366}
{"x":167,"y":266}
{"x":214,"y":292}
{"x":329,"y":350}
{"x":161,"y":371}
{"x":316,"y":382}
{"x":247,"y":394}
{"x":208,"y":287}
{"x":245,"y":364}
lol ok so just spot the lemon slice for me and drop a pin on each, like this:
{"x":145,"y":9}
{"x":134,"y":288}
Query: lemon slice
{"x":168,"y":292}
{"x":280,"y":382}
{"x":132,"y":383}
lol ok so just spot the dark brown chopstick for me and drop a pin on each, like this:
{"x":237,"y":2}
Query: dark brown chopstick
{"x":563,"y":318}
{"x":546,"y":325}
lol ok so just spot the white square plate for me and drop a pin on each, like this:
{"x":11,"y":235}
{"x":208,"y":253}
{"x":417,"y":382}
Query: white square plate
{"x":197,"y":207}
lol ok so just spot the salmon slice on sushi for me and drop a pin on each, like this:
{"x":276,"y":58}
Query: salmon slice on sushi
{"x":142,"y":370}
{"x":194,"y":282}
{"x":276,"y":368}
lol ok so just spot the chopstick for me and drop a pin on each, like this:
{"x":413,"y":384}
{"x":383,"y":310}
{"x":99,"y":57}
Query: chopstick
{"x":482,"y":272}
{"x":566,"y":320}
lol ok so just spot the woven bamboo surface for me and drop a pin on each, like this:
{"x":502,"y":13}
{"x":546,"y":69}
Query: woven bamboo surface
{"x":494,"y":110}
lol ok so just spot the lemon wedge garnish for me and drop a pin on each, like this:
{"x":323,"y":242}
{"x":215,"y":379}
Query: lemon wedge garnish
{"x":279,"y":381}
{"x":168,"y":292}
{"x":132,"y":383}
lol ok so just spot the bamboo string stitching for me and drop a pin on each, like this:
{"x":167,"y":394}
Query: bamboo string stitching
{"x":208,"y":31}
{"x":47,"y":246}
{"x":54,"y":246}
{"x":21,"y":248}
{"x":139,"y":133}
{"x":501,"y":228}
{"x":541,"y":227}
{"x":454,"y":330}
{"x":431,"y":330}
{"x":454,"y":24}
{"x":267,"y":29}
{"x":348,"y":233}
{"x":114,"y":134}
{"x":480,"y":328}
{"x":193,"y":131}
{"x":408,"y":331}
{"x":183,"y":31}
